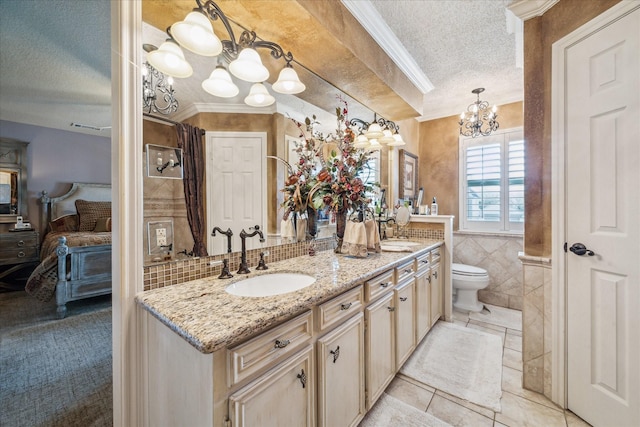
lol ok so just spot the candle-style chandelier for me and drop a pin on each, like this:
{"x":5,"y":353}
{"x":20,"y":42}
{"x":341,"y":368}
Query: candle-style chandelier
{"x":372,"y":136}
{"x":478,"y":115}
{"x":196,"y":34}
{"x":158,"y":95}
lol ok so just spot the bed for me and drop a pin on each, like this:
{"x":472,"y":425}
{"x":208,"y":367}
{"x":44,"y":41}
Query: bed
{"x":75,"y":258}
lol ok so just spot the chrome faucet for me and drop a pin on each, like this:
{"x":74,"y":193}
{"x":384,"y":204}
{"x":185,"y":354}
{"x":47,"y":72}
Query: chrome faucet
{"x":227,"y":233}
{"x":243,"y":259}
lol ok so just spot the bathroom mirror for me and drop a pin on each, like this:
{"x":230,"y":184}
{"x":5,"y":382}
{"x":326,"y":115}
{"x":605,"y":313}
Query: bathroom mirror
{"x":13,"y":180}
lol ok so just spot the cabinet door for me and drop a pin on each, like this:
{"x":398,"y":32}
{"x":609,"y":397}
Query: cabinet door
{"x":283,"y":396}
{"x":405,"y":321}
{"x":436,"y":293}
{"x":380,"y":353}
{"x":341,"y":375}
{"x":423,"y":305}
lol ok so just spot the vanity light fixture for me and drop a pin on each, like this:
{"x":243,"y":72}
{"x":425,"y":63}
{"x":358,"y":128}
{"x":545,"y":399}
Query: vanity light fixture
{"x":220,"y":84}
{"x":477,"y":115}
{"x":158,"y":95}
{"x":372,"y":136}
{"x":169,"y":59}
{"x":196,"y":34}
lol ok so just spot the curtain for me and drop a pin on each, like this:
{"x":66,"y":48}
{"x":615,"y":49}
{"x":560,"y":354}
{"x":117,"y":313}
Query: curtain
{"x":190,"y":140}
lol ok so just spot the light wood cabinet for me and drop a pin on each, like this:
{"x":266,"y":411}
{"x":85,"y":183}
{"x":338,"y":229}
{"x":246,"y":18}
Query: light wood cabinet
{"x":283,"y":396}
{"x":404,"y":296}
{"x":436,"y":292}
{"x":341,"y":382}
{"x":380,"y":353}
{"x":423,"y":304}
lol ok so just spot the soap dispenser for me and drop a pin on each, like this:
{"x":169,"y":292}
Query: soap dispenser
{"x":434,"y":207}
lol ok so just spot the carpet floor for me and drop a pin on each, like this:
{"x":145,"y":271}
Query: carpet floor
{"x":463,"y":362}
{"x":55,"y":372}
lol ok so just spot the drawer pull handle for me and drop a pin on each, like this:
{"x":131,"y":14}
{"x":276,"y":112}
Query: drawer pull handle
{"x":424,"y":261}
{"x":20,"y":243}
{"x":403,"y":299}
{"x":21,"y":254}
{"x":429,"y":279}
{"x":282,"y":344}
{"x":435,"y":274}
{"x":345,"y":306}
{"x":384,"y":285}
{"x":391,"y":308}
{"x":336,"y":354}
{"x":408,"y":271}
{"x":303,"y":378}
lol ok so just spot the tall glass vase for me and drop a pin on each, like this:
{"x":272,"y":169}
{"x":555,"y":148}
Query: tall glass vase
{"x":312,"y":227}
{"x":341,"y":225}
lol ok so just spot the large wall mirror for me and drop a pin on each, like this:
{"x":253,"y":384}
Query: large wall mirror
{"x":13,"y":180}
{"x":232,"y":116}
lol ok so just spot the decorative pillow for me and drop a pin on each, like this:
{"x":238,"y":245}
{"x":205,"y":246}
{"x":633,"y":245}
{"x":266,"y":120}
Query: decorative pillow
{"x":89,"y":212}
{"x":102,"y":225}
{"x":42,"y":281}
{"x":65,"y":223}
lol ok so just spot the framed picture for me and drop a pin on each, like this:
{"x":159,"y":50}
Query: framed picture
{"x":164,"y":162}
{"x":408,"y":187}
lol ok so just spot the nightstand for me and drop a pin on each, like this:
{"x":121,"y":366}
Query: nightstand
{"x":19,"y":253}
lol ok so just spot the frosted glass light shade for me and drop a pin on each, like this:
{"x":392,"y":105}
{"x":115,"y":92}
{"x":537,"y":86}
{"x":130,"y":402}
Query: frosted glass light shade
{"x":196,"y":34}
{"x":374,"y":145}
{"x":169,"y":59}
{"x":374,"y":131}
{"x":361,"y":142}
{"x":288,"y":82}
{"x":397,"y":141}
{"x":248,"y":66}
{"x":220,"y":84}
{"x":387,"y":137}
{"x":259,"y":97}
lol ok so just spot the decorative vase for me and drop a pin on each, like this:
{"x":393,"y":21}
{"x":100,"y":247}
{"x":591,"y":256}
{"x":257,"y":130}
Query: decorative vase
{"x":312,"y":227}
{"x":341,"y":225}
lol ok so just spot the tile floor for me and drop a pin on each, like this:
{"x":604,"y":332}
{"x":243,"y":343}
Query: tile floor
{"x":520,"y":407}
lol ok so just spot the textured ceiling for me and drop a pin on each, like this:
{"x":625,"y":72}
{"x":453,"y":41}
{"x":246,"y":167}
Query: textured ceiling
{"x":55,"y":57}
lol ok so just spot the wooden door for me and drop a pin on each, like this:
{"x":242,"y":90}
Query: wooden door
{"x":603,"y":215}
{"x":436,"y":292}
{"x":341,"y":400}
{"x":404,"y":296}
{"x":380,"y":356}
{"x":283,"y":396}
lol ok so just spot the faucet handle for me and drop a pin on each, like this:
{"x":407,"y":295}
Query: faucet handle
{"x":261,"y":263}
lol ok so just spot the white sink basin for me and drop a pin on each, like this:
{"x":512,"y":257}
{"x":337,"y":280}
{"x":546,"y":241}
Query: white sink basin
{"x":270,"y":284}
{"x":397,"y":245}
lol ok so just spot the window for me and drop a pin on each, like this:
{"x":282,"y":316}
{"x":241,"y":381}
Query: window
{"x":492,"y":182}
{"x":370,"y":174}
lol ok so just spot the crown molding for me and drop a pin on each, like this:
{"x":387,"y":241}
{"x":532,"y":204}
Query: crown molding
{"x":527,"y":9}
{"x":198,"y":107}
{"x":367,"y":15}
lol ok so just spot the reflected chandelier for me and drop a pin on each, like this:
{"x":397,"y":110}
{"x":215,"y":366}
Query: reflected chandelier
{"x":478,"y":115}
{"x":196,"y":34}
{"x":158,"y":95}
{"x":372,"y":135}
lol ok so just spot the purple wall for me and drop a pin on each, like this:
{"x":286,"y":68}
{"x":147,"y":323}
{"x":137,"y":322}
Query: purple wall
{"x":56,"y":158}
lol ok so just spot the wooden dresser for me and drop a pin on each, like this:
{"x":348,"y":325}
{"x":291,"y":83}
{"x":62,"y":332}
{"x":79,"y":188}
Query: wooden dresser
{"x":19,"y":253}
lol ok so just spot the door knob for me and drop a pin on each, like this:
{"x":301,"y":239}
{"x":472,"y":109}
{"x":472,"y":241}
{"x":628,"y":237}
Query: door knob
{"x":580,"y":249}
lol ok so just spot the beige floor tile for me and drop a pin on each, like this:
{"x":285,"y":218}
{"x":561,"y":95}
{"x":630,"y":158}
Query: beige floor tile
{"x":459,"y":315}
{"x":499,"y":424}
{"x":487,"y":325}
{"x":574,"y":421}
{"x":460,"y":322}
{"x":409,"y":393}
{"x":514,"y":342}
{"x":520,"y":412}
{"x":415,"y":382}
{"x":512,"y":383}
{"x":456,"y":415}
{"x":476,"y":408}
{"x":514,"y":332}
{"x":488,"y":330}
{"x":512,"y":358}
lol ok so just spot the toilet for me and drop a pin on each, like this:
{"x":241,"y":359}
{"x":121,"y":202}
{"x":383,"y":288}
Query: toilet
{"x":467,"y":280}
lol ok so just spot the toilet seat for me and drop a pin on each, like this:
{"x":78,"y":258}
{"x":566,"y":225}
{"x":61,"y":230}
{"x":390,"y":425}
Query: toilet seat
{"x":467,"y":270}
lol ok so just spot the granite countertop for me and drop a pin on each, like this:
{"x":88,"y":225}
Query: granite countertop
{"x":209,"y":318}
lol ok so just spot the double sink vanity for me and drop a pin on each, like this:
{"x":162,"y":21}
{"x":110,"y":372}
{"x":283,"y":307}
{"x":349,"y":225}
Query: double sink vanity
{"x":317,"y":341}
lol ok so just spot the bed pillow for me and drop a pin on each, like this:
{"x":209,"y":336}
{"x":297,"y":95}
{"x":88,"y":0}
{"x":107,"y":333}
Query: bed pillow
{"x":89,"y":212}
{"x":102,"y":225}
{"x":65,"y":223}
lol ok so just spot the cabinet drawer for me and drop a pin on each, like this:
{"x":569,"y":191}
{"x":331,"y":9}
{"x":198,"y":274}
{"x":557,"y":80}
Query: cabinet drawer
{"x":378,"y":285}
{"x":435,"y":256}
{"x":339,"y":308}
{"x":423,"y":262}
{"x":405,"y":271}
{"x":19,"y":239}
{"x":18,"y":255}
{"x":261,"y":352}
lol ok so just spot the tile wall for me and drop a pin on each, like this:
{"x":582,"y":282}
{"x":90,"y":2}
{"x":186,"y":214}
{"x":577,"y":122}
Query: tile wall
{"x":498,"y":254}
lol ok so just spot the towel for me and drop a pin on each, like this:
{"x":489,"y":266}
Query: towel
{"x":286,"y":230}
{"x":354,"y":242}
{"x":373,"y":235}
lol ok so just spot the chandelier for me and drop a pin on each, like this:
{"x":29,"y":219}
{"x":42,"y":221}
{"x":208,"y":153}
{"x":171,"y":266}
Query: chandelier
{"x":372,"y":136}
{"x":477,"y":115}
{"x":196,"y":34}
{"x":158,"y":95}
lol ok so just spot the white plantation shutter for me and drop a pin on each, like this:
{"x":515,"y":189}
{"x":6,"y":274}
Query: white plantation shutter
{"x":492,"y":182}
